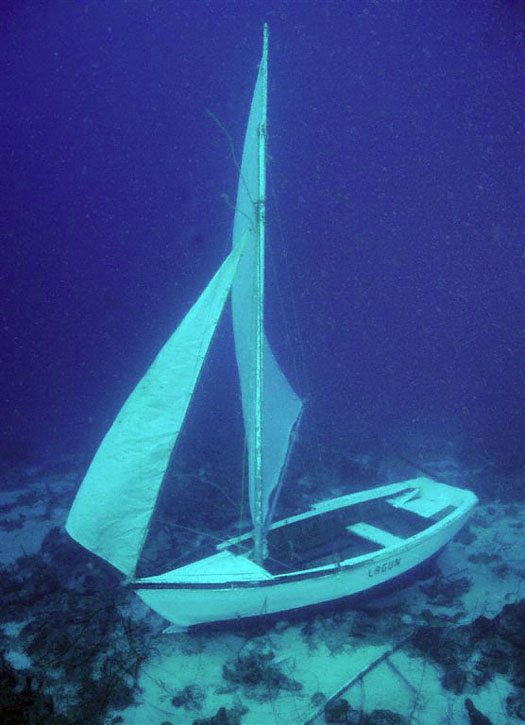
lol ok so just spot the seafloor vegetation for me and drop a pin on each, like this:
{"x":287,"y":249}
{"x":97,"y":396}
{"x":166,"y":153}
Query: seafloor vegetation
{"x":72,"y":646}
{"x":83,"y":650}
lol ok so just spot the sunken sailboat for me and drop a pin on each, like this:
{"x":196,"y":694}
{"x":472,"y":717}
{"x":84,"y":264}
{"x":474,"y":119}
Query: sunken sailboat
{"x":339,"y":547}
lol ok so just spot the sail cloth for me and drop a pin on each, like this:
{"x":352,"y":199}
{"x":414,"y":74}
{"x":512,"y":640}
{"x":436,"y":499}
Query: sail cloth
{"x":113,"y":507}
{"x":280,"y":405}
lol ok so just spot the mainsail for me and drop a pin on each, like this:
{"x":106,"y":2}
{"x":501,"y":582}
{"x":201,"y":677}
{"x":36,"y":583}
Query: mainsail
{"x":113,"y":507}
{"x":270,"y":406}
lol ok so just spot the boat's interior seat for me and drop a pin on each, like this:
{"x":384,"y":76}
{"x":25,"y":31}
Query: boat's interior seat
{"x":430,"y":501}
{"x":425,"y":507}
{"x":375,"y":534}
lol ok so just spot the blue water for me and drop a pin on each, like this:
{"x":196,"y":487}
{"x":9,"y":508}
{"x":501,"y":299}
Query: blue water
{"x":395,"y":211}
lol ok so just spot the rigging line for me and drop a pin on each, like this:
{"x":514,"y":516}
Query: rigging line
{"x":232,"y":206}
{"x":244,"y":479}
{"x":228,"y":137}
{"x":199,"y":532}
{"x":303,"y":374}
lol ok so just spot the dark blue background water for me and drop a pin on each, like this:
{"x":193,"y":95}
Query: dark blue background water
{"x":396,"y":208}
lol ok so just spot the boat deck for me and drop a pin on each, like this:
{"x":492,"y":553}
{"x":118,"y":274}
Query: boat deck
{"x":345,"y":533}
{"x":340,"y":529}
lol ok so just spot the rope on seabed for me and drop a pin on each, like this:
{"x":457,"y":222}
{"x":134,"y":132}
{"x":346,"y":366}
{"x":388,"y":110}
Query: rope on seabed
{"x":356,"y":678}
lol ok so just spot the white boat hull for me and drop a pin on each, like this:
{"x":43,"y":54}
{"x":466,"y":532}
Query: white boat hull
{"x":190,"y":596}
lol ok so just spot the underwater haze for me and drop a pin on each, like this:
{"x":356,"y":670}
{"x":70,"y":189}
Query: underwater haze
{"x":394,"y":305}
{"x":395,"y":256}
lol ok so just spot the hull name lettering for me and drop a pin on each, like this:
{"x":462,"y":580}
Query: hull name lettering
{"x":382,"y":568}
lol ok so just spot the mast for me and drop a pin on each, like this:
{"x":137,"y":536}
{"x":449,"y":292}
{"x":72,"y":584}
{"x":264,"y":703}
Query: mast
{"x":259,"y":533}
{"x":269,"y":405}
